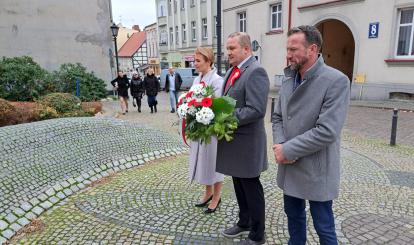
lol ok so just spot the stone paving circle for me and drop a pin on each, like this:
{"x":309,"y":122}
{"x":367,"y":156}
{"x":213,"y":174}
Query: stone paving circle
{"x":107,"y":181}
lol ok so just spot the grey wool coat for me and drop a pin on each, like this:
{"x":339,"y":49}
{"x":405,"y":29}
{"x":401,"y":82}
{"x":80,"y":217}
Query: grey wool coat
{"x":246,"y":155}
{"x":202,"y":160}
{"x":308,"y":123}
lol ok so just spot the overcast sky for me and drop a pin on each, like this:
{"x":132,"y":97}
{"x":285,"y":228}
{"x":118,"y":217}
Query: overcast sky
{"x":134,"y":12}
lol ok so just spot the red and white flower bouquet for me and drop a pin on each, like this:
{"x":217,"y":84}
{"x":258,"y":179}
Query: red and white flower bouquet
{"x":203,"y":115}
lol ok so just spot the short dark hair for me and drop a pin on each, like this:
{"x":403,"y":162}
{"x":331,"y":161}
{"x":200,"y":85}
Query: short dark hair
{"x":312,"y":34}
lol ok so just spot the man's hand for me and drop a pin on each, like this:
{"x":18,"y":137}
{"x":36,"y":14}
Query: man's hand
{"x":280,"y":157}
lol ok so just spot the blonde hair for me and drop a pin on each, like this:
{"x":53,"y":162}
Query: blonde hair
{"x":150,"y":71}
{"x":207,"y":54}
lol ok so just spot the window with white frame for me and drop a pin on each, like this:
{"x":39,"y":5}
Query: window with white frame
{"x":242,"y":21}
{"x":193,"y":30}
{"x":192,"y":3}
{"x":405,"y":42}
{"x":204,"y":23}
{"x":161,"y":10}
{"x":184,"y":32}
{"x":171,"y":35}
{"x":175,"y":6}
{"x":176,"y":35}
{"x":182,"y":4}
{"x":169,"y":7}
{"x":163,"y":37}
{"x":276,"y":16}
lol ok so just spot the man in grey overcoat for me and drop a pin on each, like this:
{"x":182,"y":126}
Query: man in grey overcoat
{"x":244,"y":158}
{"x":307,"y":123}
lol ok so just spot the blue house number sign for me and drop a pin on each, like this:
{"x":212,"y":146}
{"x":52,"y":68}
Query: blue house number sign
{"x":373,"y":30}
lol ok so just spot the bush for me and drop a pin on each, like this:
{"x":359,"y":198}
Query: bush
{"x":93,"y":107}
{"x":26,"y":111}
{"x":91,"y":87}
{"x":22,"y":79}
{"x":46,"y":112}
{"x":7,"y":113}
{"x":61,"y":102}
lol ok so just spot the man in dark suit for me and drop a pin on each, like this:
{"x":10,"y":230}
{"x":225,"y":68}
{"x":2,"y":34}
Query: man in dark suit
{"x":244,"y":158}
{"x":173,"y":83}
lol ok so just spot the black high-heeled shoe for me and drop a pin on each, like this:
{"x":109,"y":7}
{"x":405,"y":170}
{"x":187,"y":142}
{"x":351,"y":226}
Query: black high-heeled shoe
{"x":209,"y":210}
{"x":203,"y":204}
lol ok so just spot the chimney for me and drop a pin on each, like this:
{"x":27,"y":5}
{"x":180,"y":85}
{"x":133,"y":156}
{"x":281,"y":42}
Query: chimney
{"x":136,"y":27}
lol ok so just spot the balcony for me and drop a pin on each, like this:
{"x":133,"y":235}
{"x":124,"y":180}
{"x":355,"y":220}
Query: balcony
{"x":162,"y":20}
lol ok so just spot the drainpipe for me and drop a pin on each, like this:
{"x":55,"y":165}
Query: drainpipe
{"x":289,"y":22}
{"x":290,"y":15}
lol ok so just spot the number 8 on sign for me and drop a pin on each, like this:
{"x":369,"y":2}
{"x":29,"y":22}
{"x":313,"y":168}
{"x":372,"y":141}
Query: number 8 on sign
{"x":373,"y":30}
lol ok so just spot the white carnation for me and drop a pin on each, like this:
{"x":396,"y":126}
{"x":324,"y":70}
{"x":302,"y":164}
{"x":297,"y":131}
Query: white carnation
{"x":182,"y":96}
{"x":197,"y":89}
{"x":182,"y":110}
{"x":192,"y":110}
{"x":205,"y":115}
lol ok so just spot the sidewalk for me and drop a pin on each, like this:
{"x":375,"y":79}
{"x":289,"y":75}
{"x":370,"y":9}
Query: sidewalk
{"x":154,"y":203}
{"x":405,"y":105}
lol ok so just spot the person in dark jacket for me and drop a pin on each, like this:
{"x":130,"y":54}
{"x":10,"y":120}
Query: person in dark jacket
{"x":137,"y":90}
{"x":121,"y":84}
{"x":152,"y":86}
{"x":173,"y":83}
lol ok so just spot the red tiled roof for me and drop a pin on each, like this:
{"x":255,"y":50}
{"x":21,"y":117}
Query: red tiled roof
{"x":132,"y":45}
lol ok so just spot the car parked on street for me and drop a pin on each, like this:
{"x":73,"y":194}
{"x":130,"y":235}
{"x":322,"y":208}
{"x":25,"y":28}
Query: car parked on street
{"x":187,"y":74}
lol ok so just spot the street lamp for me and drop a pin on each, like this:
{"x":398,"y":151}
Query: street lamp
{"x":218,"y":26}
{"x":114,"y":29}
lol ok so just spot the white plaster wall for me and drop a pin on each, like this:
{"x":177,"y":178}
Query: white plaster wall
{"x":369,"y":53}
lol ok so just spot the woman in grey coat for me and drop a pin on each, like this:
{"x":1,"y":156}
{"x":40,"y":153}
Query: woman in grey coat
{"x":202,"y":160}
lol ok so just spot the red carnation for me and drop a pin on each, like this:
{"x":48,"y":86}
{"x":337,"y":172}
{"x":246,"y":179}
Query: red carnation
{"x":189,"y":94}
{"x":191,"y":102}
{"x":203,"y":83}
{"x":180,"y":102}
{"x":207,"y":102}
{"x":236,"y":75}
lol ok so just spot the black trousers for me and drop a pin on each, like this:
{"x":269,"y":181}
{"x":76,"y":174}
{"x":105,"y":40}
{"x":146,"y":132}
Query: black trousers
{"x":250,"y":197}
{"x":138,"y":100}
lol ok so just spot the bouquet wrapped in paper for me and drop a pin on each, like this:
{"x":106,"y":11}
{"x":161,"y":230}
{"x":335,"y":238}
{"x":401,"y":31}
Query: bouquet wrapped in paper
{"x":204,"y":116}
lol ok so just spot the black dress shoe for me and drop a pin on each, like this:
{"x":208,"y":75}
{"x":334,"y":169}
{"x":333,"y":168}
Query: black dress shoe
{"x":209,"y":210}
{"x":172,"y":111}
{"x":235,"y":231}
{"x":203,"y":204}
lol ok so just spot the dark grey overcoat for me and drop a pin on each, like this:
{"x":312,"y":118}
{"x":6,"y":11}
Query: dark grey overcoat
{"x":308,"y":123}
{"x":246,"y":155}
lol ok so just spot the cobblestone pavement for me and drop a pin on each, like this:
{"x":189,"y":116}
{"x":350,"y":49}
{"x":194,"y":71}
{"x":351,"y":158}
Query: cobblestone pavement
{"x":153,"y":203}
{"x":42,"y":163}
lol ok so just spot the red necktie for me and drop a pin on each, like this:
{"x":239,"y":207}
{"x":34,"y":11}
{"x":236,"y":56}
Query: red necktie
{"x":232,"y":77}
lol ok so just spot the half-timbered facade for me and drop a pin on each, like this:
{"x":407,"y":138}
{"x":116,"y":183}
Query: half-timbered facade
{"x":133,"y":54}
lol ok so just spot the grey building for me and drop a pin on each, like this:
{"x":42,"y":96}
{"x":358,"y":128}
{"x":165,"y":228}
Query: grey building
{"x":184,"y":25}
{"x":54,"y":32}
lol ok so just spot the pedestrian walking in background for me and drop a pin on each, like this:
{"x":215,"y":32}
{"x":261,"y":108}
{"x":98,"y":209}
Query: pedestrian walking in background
{"x":137,"y":90}
{"x":121,"y":84}
{"x":173,"y":83}
{"x":152,"y":86}
{"x":307,"y":124}
{"x":202,"y":160}
{"x":245,"y":157}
